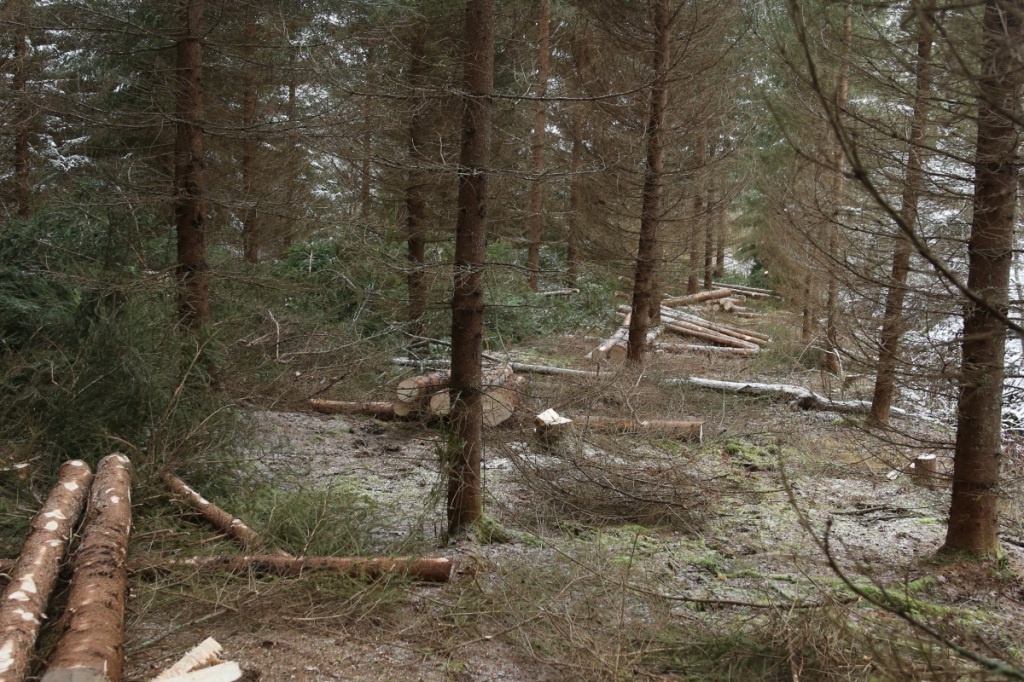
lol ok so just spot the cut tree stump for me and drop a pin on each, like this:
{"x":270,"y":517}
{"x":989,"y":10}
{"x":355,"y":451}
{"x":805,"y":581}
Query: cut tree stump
{"x":924,"y":471}
{"x":34,"y":575}
{"x":432,"y":570}
{"x":91,"y":649}
{"x":550,"y":426}
{"x":685,"y":430}
{"x":234,"y":528}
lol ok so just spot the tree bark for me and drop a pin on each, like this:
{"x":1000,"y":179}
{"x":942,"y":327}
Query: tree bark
{"x":415,"y":201}
{"x":365,"y":169}
{"x":973,"y":520}
{"x":189,"y":182}
{"x":35,"y":574}
{"x":645,"y":295}
{"x":693,"y":244}
{"x":92,"y":646}
{"x":250,"y":229}
{"x":465,"y":495}
{"x":572,"y":247}
{"x":892,"y":321}
{"x":540,"y":116}
{"x":709,"y":235}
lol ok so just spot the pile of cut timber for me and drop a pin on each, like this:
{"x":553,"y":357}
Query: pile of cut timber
{"x":712,"y":338}
{"x":427,"y":395}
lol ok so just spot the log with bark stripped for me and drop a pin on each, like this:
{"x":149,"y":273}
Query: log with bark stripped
{"x":687,"y":348}
{"x":377,"y":410}
{"x":433,"y":570}
{"x":698,"y":332}
{"x":91,"y":649}
{"x":234,"y":528}
{"x":620,"y":336}
{"x":746,"y":335}
{"x":699,"y":297}
{"x":685,"y":430}
{"x":34,"y":575}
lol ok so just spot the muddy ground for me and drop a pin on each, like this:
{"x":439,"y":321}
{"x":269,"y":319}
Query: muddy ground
{"x":624,"y":556}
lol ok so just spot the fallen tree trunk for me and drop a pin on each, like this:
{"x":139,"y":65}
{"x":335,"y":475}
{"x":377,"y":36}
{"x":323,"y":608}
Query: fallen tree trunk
{"x":428,"y":569}
{"x":752,"y":292}
{"x":92,"y":645}
{"x":494,"y":379}
{"x":559,"y":292}
{"x":685,"y":348}
{"x":620,"y":335}
{"x":746,"y":335}
{"x":34,"y":575}
{"x":411,"y":391}
{"x":699,"y":297}
{"x":222,"y":521}
{"x":679,"y":429}
{"x":378,"y":410}
{"x":617,"y":353}
{"x":687,"y":329}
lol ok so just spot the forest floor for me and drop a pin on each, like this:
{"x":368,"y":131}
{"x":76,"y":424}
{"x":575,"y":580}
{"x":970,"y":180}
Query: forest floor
{"x":617,"y":557}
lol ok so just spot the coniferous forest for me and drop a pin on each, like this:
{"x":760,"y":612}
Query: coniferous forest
{"x":526,"y":340}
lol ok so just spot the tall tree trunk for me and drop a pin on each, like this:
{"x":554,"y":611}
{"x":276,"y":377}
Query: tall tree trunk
{"x":721,"y":235}
{"x":365,"y":170}
{"x":644,"y":282}
{"x":892,"y":321}
{"x":189,"y":182}
{"x":693,"y":244}
{"x":465,"y":495}
{"x":292,"y":160}
{"x":832,"y":360}
{"x":415,"y":202}
{"x":22,"y":112}
{"x":250,"y":230}
{"x":540,"y":115}
{"x":709,"y":234}
{"x":572,"y":248}
{"x":973,"y":518}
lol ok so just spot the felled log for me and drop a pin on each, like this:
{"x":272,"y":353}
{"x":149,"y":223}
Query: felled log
{"x":234,"y":528}
{"x":748,"y":315}
{"x":699,"y":297}
{"x":617,"y":353}
{"x":415,"y":389}
{"x":802,"y":398}
{"x":684,"y":430}
{"x":752,"y":292}
{"x":694,"y":331}
{"x":746,"y":335}
{"x":92,"y":646}
{"x":687,"y":348}
{"x":619,"y":336}
{"x":559,"y":292}
{"x":493,"y":383}
{"x":34,"y":575}
{"x":431,"y":570}
{"x":499,"y":402}
{"x":377,"y":410}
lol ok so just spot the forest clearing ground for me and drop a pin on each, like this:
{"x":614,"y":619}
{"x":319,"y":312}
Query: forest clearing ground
{"x":629,"y":556}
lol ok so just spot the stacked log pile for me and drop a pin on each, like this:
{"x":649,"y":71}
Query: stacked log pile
{"x":705,"y":337}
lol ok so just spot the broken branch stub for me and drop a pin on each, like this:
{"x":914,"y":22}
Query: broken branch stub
{"x":34,"y":575}
{"x":91,"y":649}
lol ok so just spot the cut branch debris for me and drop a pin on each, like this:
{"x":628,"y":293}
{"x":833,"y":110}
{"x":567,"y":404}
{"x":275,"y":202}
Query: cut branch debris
{"x":92,"y":646}
{"x":201,"y":664}
{"x":685,"y":430}
{"x":34,"y":575}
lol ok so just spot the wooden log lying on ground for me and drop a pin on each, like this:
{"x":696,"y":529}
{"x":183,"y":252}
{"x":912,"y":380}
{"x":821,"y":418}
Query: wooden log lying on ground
{"x":559,"y":292}
{"x":92,"y":647}
{"x":378,"y":410}
{"x":620,"y":335}
{"x":687,"y":348}
{"x":426,"y":569}
{"x":698,"y":332}
{"x":415,"y":389}
{"x":617,"y":353}
{"x":234,"y":528}
{"x":34,"y":574}
{"x":499,"y":403}
{"x":748,"y":315}
{"x":746,"y":335}
{"x":686,"y":430}
{"x":699,"y":297}
{"x":752,"y":292}
{"x":496,"y":398}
